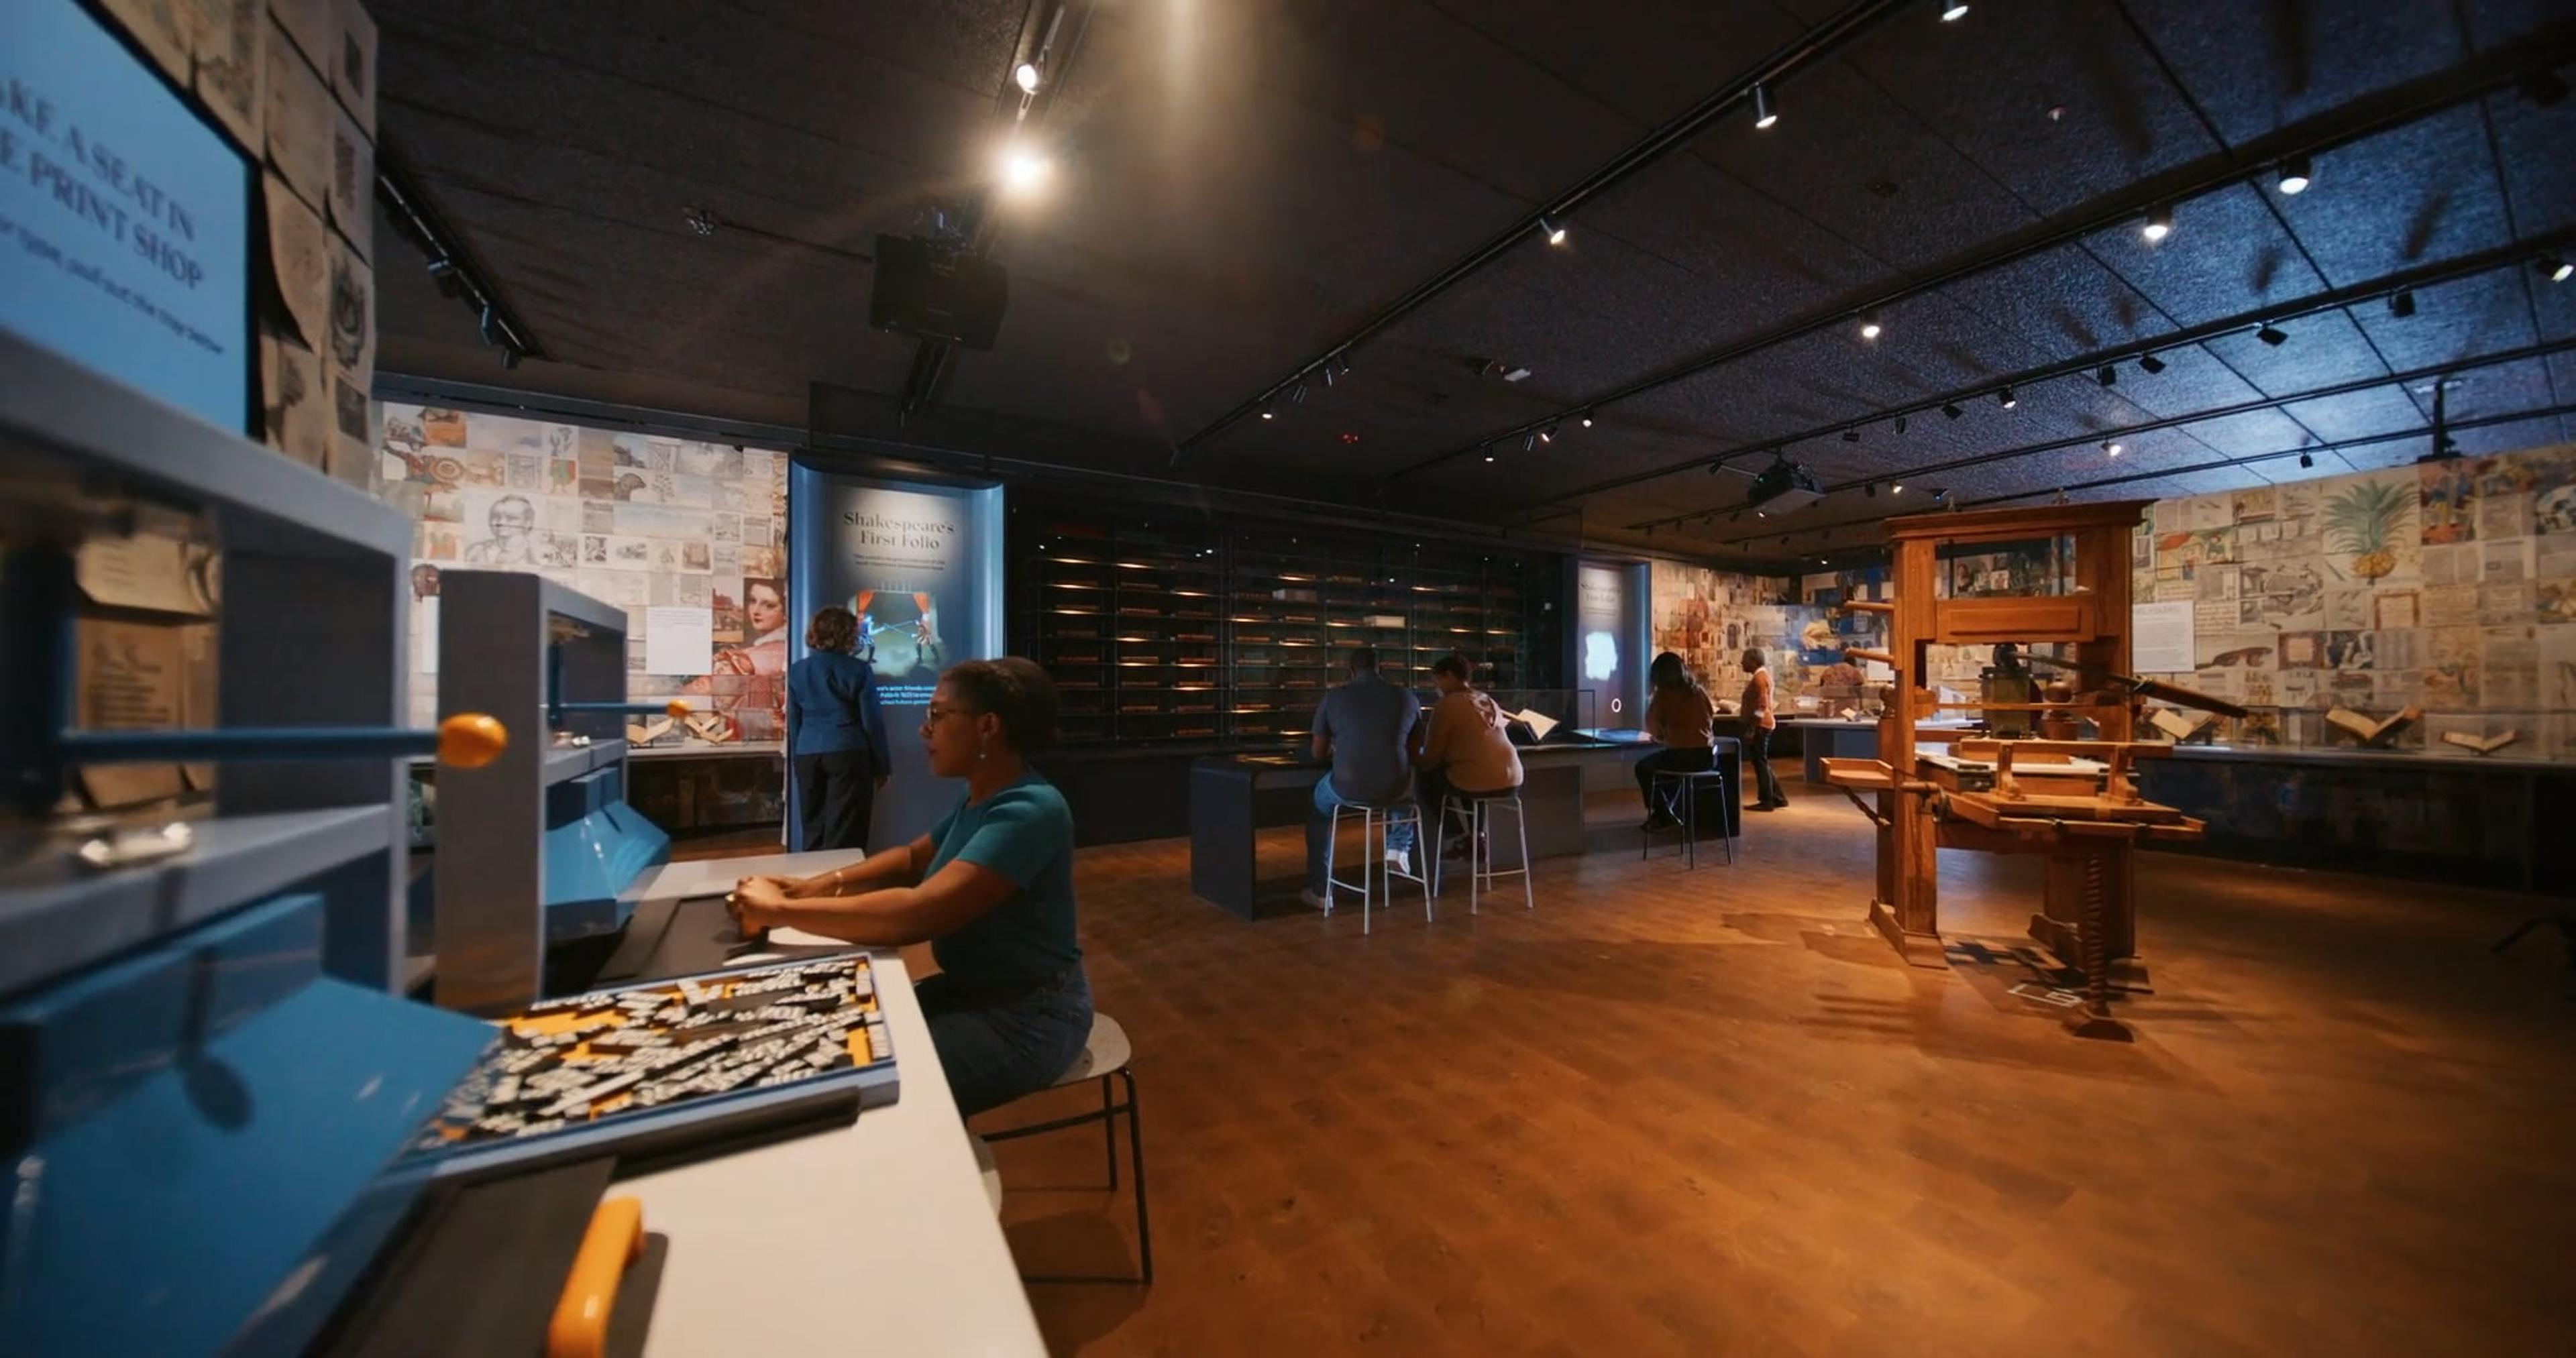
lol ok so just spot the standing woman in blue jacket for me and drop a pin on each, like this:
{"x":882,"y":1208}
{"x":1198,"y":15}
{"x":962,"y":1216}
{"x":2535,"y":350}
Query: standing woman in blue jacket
{"x":836,"y":737}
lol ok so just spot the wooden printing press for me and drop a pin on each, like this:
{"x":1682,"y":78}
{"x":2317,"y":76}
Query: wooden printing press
{"x":2066,"y":796}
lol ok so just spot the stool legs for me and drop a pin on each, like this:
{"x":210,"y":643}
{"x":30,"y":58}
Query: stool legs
{"x":1108,"y":1118}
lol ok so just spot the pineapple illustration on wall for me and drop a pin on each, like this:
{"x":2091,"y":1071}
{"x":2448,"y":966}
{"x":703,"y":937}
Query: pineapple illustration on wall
{"x":2366,"y":521}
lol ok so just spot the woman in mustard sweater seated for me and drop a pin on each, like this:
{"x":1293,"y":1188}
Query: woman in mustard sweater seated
{"x":990,"y":888}
{"x":1464,"y":746}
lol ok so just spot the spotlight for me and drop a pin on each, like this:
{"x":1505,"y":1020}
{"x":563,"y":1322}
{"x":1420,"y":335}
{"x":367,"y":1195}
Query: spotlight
{"x":2109,"y":376}
{"x":2306,"y":461}
{"x":1851,"y":436}
{"x":2294,"y":175}
{"x":1951,"y":409}
{"x":1869,"y":327}
{"x":1268,"y":414}
{"x":1870,"y":490}
{"x":1897,"y":489}
{"x":509,"y":359}
{"x":1587,"y":419}
{"x":1952,"y":10}
{"x":1026,"y":77}
{"x":1900,"y":424}
{"x":2006,"y":399}
{"x":1547,"y":435}
{"x":1940,"y":494}
{"x":2402,"y":305}
{"x":1489,"y":452}
{"x":2159,"y":225}
{"x":1023,"y":169}
{"x":1554,"y":234}
{"x":2272,"y":335}
{"x":2543,"y":88}
{"x":2557,"y":269}
{"x":2111,"y":449}
{"x":2150,"y":364}
{"x":1297,"y":395}
{"x":1529,"y":443}
{"x":1763,"y":114}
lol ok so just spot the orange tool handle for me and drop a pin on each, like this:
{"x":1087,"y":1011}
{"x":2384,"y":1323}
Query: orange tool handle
{"x":614,"y":1241}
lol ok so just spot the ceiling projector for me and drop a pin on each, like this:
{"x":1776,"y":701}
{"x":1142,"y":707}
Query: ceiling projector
{"x":1784,"y":486}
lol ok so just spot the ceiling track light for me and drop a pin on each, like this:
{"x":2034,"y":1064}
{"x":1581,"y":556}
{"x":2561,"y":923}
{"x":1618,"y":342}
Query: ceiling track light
{"x":2150,"y":364}
{"x":1489,"y":452}
{"x":1952,"y":11}
{"x":2272,"y":335}
{"x":2294,"y":175}
{"x":1870,"y":489}
{"x":1547,"y":435}
{"x":1267,"y":413}
{"x":2111,"y":448}
{"x":1587,"y":419}
{"x":1529,"y":442}
{"x":2402,"y":305}
{"x":1297,"y":395}
{"x":2305,"y":460}
{"x":1900,"y":424}
{"x":2159,"y":225}
{"x":2557,"y":269}
{"x":2109,"y":376}
{"x":1025,"y":75}
{"x":2006,"y":399}
{"x":1763,"y":113}
{"x":1869,"y":327}
{"x":1851,"y":436}
{"x":1897,"y":489}
{"x":1951,"y":409}
{"x":1549,"y":231}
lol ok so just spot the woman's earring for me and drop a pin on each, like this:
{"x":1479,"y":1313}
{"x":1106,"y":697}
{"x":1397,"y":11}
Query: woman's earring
{"x":984,"y":750}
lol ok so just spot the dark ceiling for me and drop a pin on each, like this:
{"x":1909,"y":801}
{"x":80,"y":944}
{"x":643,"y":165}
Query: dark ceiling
{"x":1241,"y":183}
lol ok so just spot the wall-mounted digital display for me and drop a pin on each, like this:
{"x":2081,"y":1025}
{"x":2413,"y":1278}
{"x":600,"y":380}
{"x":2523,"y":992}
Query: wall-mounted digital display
{"x":124,"y":218}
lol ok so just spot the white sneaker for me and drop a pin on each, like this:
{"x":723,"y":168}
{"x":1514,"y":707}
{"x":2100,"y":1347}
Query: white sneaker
{"x":1400,"y":860}
{"x":1309,"y":897}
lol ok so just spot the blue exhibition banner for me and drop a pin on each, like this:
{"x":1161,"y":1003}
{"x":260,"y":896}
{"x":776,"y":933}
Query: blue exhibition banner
{"x":920,"y":564}
{"x":124,"y":218}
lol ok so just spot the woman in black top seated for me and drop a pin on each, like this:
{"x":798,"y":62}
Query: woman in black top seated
{"x":990,"y":888}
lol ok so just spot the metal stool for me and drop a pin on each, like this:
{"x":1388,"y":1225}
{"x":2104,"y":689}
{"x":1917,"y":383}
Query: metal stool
{"x":1671,"y":784}
{"x":1474,"y":810}
{"x":1105,"y":1055}
{"x":1376,"y":818}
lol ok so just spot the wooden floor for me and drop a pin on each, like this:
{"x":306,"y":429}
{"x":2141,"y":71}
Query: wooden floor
{"x":1709,"y":1112}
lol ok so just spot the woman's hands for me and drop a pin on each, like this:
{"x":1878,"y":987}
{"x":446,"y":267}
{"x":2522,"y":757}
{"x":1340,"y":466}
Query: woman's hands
{"x":756,"y":903}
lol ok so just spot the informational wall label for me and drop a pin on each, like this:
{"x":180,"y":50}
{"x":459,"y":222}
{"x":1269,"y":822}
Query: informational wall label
{"x":123,"y":218}
{"x":2160,"y":638}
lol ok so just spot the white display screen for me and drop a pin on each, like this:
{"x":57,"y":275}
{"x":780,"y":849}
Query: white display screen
{"x":124,"y":218}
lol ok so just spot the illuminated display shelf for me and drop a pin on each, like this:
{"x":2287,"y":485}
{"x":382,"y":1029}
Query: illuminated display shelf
{"x":1202,"y":631}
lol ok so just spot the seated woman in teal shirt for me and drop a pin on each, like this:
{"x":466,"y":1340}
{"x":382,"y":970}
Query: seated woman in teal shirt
{"x":990,"y":888}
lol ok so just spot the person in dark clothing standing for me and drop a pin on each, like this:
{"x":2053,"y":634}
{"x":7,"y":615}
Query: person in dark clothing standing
{"x":836,"y":737}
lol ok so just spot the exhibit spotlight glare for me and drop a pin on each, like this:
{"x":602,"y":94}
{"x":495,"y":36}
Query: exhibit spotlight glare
{"x":2159,"y":225}
{"x":2294,"y":175}
{"x":1764,"y":115}
{"x":1869,"y":328}
{"x":1024,"y":169}
{"x":1553,"y":234}
{"x":1026,"y":77}
{"x":2111,"y":449}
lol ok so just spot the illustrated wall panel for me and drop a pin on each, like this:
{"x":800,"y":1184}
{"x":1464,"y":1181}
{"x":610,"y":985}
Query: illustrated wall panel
{"x":2448,"y":586}
{"x":687,"y":537}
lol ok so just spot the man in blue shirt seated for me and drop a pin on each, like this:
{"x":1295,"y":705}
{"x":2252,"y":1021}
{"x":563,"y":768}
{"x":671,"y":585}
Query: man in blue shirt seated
{"x":1361,"y":727}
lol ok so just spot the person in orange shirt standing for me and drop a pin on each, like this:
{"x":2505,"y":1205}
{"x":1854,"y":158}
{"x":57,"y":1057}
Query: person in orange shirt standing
{"x":1760,"y":720}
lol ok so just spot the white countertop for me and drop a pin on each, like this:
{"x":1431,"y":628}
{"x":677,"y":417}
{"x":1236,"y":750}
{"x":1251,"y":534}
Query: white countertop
{"x":873,"y":1238}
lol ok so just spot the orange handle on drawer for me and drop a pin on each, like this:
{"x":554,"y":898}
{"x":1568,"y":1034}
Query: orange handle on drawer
{"x":614,"y":1241}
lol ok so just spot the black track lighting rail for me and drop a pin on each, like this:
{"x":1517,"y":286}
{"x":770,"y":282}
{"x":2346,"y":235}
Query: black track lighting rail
{"x":1815,"y":45}
{"x":458,"y":273}
{"x":2094,"y":437}
{"x":2515,"y":256}
{"x":2359,"y":120}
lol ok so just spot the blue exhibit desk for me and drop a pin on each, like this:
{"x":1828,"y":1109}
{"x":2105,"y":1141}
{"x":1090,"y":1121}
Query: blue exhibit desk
{"x":1233,"y":795}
